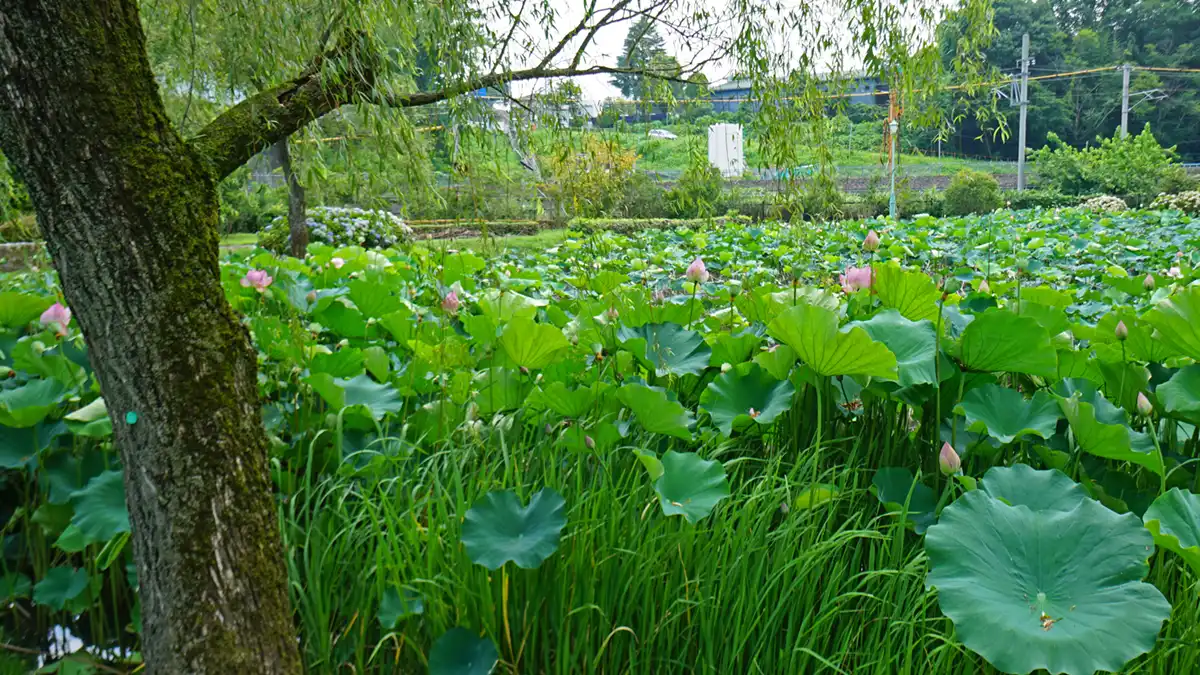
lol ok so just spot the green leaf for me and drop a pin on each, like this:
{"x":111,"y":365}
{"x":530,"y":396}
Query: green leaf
{"x":1022,"y":485}
{"x":651,"y":462}
{"x":1000,"y":341}
{"x":14,"y":586}
{"x":398,"y":603}
{"x":100,"y":512}
{"x":460,"y":652}
{"x":18,"y":309}
{"x":1174,"y":521}
{"x":505,"y":306}
{"x":372,"y":298}
{"x":813,"y":333}
{"x":1032,"y":586}
{"x":814,"y":496}
{"x":90,"y":421}
{"x":500,"y":389}
{"x":690,"y":486}
{"x":27,"y":405}
{"x":666,"y":348}
{"x":655,"y":411}
{"x":532,"y":345}
{"x":1180,"y":396}
{"x":913,"y":342}
{"x":910,"y":292}
{"x":346,"y":362}
{"x":1006,"y":416}
{"x":1102,"y":429}
{"x":577,"y":402}
{"x":498,"y":529}
{"x":745,"y":395}
{"x":733,"y":349}
{"x":1177,"y":321}
{"x":19,"y":448}
{"x":60,"y":586}
{"x":377,"y":399}
{"x":898,"y":490}
{"x":377,"y":363}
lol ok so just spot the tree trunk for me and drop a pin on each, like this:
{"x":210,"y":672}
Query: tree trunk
{"x":129,"y":212}
{"x":297,"y":218}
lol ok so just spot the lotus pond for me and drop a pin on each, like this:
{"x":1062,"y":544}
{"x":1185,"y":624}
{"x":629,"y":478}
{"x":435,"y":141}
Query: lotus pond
{"x":957,"y":446}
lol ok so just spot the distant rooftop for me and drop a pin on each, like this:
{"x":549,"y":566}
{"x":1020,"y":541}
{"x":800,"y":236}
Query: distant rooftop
{"x":740,"y":84}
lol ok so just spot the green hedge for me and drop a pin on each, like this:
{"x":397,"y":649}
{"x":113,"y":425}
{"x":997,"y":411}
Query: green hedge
{"x":636,"y":224}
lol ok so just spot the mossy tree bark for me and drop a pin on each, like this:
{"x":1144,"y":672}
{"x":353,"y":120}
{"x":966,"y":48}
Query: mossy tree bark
{"x":296,"y":216}
{"x":129,"y":213}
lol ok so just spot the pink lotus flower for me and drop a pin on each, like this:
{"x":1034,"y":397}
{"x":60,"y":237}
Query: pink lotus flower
{"x":696,"y":273}
{"x":450,"y":303}
{"x":1175,"y":272}
{"x":258,"y":279}
{"x":871,"y":243}
{"x":855,"y":278}
{"x":948,"y":460}
{"x":985,"y":288}
{"x":1144,"y":407}
{"x":57,"y":316}
{"x":337,"y":263}
{"x":1148,"y":282}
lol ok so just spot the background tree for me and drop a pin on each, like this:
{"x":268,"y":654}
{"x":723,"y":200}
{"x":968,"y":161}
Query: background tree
{"x":125,"y":190}
{"x":642,"y":45}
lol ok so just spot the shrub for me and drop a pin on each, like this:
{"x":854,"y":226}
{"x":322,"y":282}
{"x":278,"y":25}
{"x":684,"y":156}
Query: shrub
{"x":1178,"y":180}
{"x":1136,"y":167}
{"x":339,"y":226}
{"x":19,"y":229}
{"x":644,"y":198}
{"x":1187,"y":202}
{"x":1106,"y":203}
{"x":971,"y":192}
{"x":1037,"y":199}
{"x":589,"y":181}
{"x":249,"y":207}
{"x":700,"y":191}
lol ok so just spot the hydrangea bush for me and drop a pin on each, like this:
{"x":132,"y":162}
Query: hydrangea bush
{"x":1187,"y":202}
{"x":1106,"y":203}
{"x":341,"y":226}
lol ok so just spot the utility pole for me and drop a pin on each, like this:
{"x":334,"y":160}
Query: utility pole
{"x":1125,"y":100}
{"x":1025,"y":63}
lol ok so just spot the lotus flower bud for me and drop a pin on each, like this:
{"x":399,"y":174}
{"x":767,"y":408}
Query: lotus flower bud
{"x":450,"y":303}
{"x":726,"y":367}
{"x":949,"y":460}
{"x":1148,"y":282}
{"x":38,"y":347}
{"x":696,"y":273}
{"x":6,"y":372}
{"x":871,"y":243}
{"x":984,"y":287}
{"x":591,"y":444}
{"x":549,"y":429}
{"x":1144,"y":407}
{"x":1121,"y":331}
{"x":343,"y":343}
{"x":311,"y":297}
{"x":337,"y":263}
{"x":613,"y":314}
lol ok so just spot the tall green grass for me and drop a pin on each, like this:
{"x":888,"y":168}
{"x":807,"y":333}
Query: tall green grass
{"x":762,"y":586}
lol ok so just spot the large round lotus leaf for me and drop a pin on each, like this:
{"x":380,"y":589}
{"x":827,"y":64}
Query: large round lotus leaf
{"x":913,"y":343}
{"x":100,"y":512}
{"x":1006,"y":416}
{"x":460,"y":652}
{"x":1177,"y":321}
{"x":27,"y":405}
{"x":910,"y":292}
{"x":378,"y":399}
{"x":690,"y":486}
{"x":60,"y":586}
{"x":667,"y":348}
{"x":745,"y":395}
{"x":813,"y":333}
{"x":1101,"y":428}
{"x":1000,"y":341}
{"x":498,"y":529}
{"x":728,"y":348}
{"x":1181,"y":394}
{"x":532,"y":345}
{"x":1174,"y":520}
{"x":1022,"y":485}
{"x":897,"y":489}
{"x":1048,"y":588}
{"x":18,"y":309}
{"x":655,"y":410}
{"x":398,"y":603}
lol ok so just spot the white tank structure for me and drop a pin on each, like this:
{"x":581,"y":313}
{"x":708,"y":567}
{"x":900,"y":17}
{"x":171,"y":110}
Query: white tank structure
{"x":725,"y":149}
